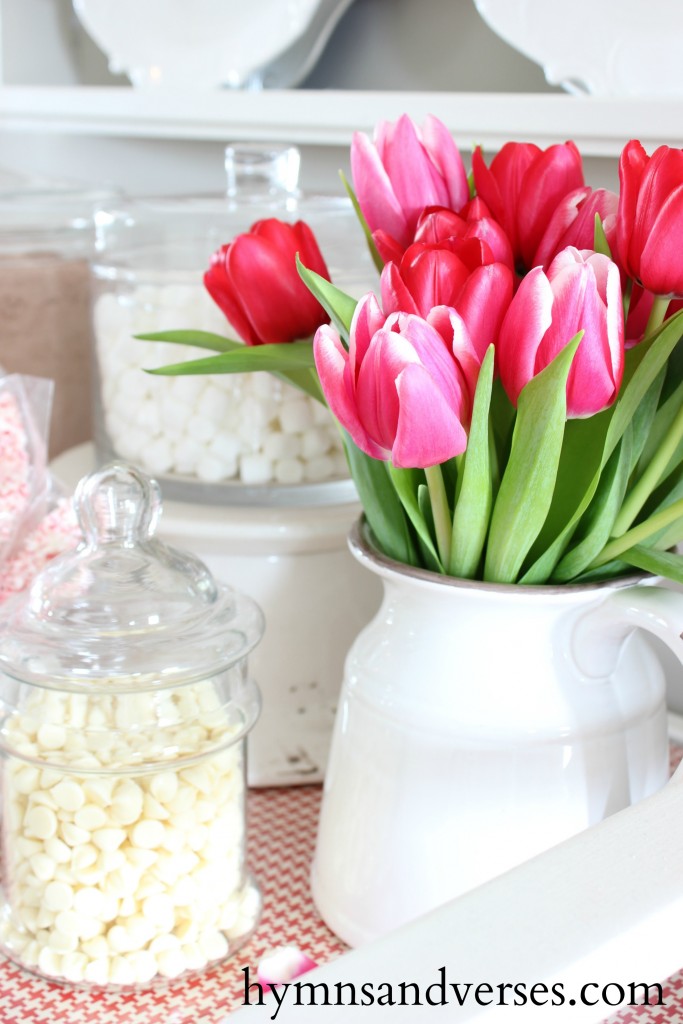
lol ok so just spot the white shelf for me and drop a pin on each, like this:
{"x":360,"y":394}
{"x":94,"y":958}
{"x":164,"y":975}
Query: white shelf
{"x":599,"y":126}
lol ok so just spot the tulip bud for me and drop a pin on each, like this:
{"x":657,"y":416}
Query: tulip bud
{"x":650,"y":218}
{"x":459,"y":273}
{"x":255,"y":282}
{"x":403,"y":171}
{"x":398,"y":391}
{"x":573,"y":223}
{"x":522,"y":188}
{"x":580,"y":292}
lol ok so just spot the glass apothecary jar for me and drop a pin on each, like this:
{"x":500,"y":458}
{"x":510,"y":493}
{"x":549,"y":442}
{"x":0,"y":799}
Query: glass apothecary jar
{"x":214,"y":439}
{"x":125,"y":700}
{"x":47,"y":239}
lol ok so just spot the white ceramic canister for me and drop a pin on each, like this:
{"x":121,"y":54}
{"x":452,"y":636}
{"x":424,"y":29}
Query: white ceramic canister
{"x":125,"y":699}
{"x":294,"y":560}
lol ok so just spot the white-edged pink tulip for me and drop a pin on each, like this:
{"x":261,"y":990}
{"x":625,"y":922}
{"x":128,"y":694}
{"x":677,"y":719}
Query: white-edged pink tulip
{"x":403,"y":170}
{"x":399,"y":390}
{"x":581,"y":291}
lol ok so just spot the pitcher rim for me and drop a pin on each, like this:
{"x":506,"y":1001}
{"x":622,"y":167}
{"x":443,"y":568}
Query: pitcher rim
{"x":364,"y":549}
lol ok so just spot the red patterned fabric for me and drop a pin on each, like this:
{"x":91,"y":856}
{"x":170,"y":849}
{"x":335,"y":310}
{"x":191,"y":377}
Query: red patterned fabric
{"x":282,"y":827}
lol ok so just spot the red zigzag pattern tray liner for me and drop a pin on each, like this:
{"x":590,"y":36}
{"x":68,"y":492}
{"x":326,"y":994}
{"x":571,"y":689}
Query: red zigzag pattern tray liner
{"x":282,"y":824}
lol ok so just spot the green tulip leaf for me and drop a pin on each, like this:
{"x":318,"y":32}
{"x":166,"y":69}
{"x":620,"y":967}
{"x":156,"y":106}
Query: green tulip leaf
{"x":383,"y":509}
{"x":643,"y":364}
{"x":407,"y":484}
{"x":198,"y":339}
{"x":526,"y":489}
{"x":596,"y":524}
{"x":376,"y":258}
{"x":296,"y":355}
{"x":600,"y":243}
{"x":659,"y":563}
{"x":338,"y":305}
{"x":475,"y":492}
{"x":580,"y":463}
{"x":661,"y":425}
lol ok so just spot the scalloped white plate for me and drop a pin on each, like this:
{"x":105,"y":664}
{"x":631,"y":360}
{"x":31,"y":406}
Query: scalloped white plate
{"x":204,"y":44}
{"x":618,"y":48}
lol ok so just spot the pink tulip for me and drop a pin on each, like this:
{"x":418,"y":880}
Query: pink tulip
{"x":580,"y":291}
{"x":573,"y":223}
{"x":457,"y":273}
{"x":255,"y":282}
{"x":650,"y":218}
{"x":398,"y":390}
{"x":522,"y":188}
{"x":404,"y":170}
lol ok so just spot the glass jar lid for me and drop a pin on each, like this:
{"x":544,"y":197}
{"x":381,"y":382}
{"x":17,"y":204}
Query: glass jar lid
{"x":124,"y":611}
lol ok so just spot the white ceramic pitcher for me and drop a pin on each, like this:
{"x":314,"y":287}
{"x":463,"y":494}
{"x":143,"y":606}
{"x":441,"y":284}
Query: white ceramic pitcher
{"x":480,"y":725}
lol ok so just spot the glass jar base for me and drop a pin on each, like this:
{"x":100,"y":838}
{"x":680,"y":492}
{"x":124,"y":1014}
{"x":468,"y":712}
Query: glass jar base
{"x":169,"y":960}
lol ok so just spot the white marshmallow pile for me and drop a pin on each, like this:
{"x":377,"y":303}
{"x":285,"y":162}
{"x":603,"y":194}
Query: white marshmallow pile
{"x":115,"y":877}
{"x":248,"y":427}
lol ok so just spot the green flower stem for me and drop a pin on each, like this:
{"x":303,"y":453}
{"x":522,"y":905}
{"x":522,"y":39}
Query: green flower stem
{"x":650,"y":478}
{"x":638,"y":534}
{"x":657,"y":314}
{"x":440,"y":511}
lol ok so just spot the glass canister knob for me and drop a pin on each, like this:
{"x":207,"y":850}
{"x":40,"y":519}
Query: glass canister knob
{"x":119,"y":504}
{"x":256,"y":172}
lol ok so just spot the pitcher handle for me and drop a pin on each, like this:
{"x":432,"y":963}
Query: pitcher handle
{"x":599,"y":633}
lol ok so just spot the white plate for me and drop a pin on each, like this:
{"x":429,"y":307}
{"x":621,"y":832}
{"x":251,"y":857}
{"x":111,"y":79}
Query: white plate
{"x":616,"y":48}
{"x":208,"y":43}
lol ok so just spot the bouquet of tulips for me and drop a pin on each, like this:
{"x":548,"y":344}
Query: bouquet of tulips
{"x":512,"y":398}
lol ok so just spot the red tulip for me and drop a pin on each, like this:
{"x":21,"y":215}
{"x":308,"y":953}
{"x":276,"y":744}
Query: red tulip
{"x":580,"y":291}
{"x":650,"y":218}
{"x":398,"y":390}
{"x":573,"y":223}
{"x":436,"y":224}
{"x":404,"y":170}
{"x":255,"y":282}
{"x":458,"y":273}
{"x":522,"y":188}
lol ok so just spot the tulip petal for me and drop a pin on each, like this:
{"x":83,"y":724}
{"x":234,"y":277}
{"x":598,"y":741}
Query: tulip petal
{"x":368,"y":318}
{"x":375,"y":192}
{"x":526,"y":321}
{"x":221,"y":291}
{"x":376,"y":395}
{"x":483,"y":303}
{"x":285,"y":309}
{"x":442,"y":148}
{"x":428,"y":431}
{"x":661,"y":265}
{"x":332,"y":364}
{"x":632,"y":164}
{"x":396,"y":296}
{"x":556,"y":171}
{"x":435,"y":277}
{"x":415,"y":179}
{"x":453,"y":330}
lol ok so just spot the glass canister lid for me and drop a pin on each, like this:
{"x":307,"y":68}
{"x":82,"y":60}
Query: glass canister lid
{"x":124,"y":611}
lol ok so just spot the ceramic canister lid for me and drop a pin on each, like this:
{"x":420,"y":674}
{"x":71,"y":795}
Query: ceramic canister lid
{"x":124,"y":611}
